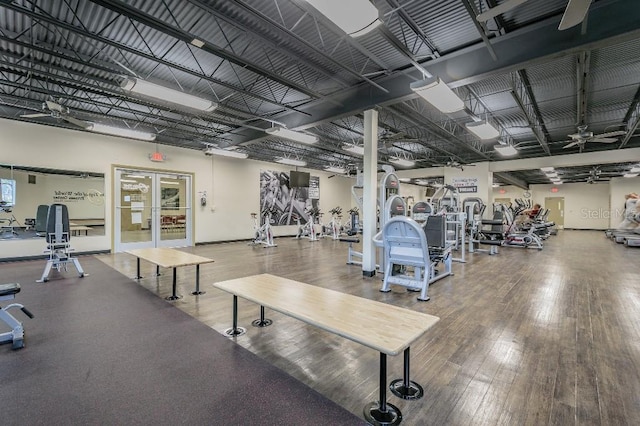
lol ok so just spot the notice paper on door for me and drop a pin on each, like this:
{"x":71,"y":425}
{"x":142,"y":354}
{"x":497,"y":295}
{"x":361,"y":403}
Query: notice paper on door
{"x":137,"y":206}
{"x":136,"y":217}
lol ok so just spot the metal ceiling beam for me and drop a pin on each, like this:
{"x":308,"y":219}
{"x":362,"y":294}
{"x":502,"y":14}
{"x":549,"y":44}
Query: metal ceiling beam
{"x":125,"y":48}
{"x":182,"y":35}
{"x":583,"y":86}
{"x":610,"y":22}
{"x":524,"y":97}
{"x":511,"y":180}
{"x":399,"y":10}
{"x":471,"y":10}
{"x":287,"y":33}
{"x":631,"y":119}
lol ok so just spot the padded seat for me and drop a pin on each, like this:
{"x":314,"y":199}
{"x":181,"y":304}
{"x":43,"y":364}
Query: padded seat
{"x":9,"y":289}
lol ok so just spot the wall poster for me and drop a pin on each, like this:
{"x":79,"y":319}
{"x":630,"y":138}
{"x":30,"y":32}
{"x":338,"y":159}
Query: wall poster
{"x":284,"y":204}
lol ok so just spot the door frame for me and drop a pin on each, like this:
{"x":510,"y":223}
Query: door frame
{"x":190,"y":211}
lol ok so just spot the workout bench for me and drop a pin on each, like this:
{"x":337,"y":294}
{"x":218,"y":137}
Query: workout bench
{"x":16,"y":335}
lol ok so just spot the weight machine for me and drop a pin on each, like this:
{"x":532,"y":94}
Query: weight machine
{"x":410,"y":259}
{"x":16,"y":335}
{"x":58,"y":245}
{"x":474,"y":209}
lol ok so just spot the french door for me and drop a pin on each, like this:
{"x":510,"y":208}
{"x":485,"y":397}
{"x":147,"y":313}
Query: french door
{"x":152,"y":209}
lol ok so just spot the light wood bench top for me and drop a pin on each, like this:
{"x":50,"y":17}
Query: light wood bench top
{"x":168,"y":257}
{"x":79,"y":228}
{"x":385,"y":328}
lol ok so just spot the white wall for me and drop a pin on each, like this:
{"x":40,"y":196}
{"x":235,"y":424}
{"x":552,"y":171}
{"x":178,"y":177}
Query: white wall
{"x":232,"y":185}
{"x":585,"y":206}
{"x":619,"y":187}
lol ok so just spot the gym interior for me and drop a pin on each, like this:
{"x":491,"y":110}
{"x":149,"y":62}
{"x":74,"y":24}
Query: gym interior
{"x":251,"y":213}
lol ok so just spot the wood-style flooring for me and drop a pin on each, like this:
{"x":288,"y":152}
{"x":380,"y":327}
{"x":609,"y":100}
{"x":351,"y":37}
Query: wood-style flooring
{"x":525,"y":337}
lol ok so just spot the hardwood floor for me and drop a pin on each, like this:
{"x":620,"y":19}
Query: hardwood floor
{"x":526,"y":337}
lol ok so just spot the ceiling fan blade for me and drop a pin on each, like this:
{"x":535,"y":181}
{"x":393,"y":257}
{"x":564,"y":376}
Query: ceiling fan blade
{"x":75,"y":121}
{"x":37,"y":115}
{"x":574,"y":14}
{"x":604,"y":140}
{"x":575,"y":136}
{"x":611,"y":134}
{"x":571,"y":144}
{"x":498,"y":10}
{"x":54,"y":106}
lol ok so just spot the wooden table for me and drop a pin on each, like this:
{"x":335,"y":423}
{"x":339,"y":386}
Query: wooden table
{"x":75,"y":229}
{"x":170,"y":258}
{"x":385,"y":328}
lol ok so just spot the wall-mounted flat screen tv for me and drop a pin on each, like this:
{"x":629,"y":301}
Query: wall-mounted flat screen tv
{"x":299,"y":179}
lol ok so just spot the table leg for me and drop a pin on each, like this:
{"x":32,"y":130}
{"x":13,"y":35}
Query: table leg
{"x":235,"y":330}
{"x":174,"y":296}
{"x":405,"y":388}
{"x":262,"y":322}
{"x":138,"y":276}
{"x":195,"y":293}
{"x":381,"y":412}
{"x":158,"y":271}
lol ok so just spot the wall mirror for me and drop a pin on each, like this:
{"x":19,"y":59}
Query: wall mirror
{"x":24,"y":188}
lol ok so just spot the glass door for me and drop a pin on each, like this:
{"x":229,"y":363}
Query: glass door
{"x":152,"y":209}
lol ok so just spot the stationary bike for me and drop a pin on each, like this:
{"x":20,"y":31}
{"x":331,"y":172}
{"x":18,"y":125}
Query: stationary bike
{"x":263,"y":234}
{"x":307,"y":230}
{"x":335,"y":226}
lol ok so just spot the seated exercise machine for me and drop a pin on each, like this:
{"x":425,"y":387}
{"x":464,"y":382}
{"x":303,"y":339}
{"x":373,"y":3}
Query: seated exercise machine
{"x":263,"y":234}
{"x":58,"y":245}
{"x":410,"y":260}
{"x":16,"y":335}
{"x":474,"y":208}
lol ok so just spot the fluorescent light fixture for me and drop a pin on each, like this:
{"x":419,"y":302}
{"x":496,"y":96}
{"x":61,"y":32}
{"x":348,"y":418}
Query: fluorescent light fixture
{"x":169,"y":95}
{"x":197,"y":43}
{"x":438,"y":94}
{"x":335,"y":169}
{"x":402,"y":162}
{"x":505,"y":150}
{"x":120,"y":131}
{"x":281,"y":132}
{"x":291,"y":161}
{"x":226,"y":153}
{"x":631,"y":175}
{"x":557,"y":182}
{"x":483,"y":130}
{"x":354,"y":17}
{"x":547,"y":169}
{"x":405,"y":180}
{"x":635,"y":169}
{"x":356,"y":149}
{"x":552,"y":175}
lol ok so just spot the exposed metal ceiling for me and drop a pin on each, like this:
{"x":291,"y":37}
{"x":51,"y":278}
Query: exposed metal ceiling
{"x":280,"y":61}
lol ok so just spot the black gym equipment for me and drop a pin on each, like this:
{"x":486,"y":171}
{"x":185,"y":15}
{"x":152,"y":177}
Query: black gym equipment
{"x":58,"y":242}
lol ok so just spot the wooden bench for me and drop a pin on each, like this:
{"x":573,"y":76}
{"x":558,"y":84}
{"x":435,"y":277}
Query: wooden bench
{"x":388,"y":329}
{"x":170,"y":258}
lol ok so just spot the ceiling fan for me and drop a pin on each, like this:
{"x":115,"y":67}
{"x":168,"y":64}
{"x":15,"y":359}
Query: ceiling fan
{"x":56,"y":110}
{"x":574,"y":13}
{"x":455,"y":164}
{"x":583,"y":136}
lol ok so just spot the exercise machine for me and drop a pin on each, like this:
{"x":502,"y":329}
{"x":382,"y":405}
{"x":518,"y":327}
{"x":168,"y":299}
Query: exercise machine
{"x":262,"y":234}
{"x":410,"y":260}
{"x":58,"y":242}
{"x":16,"y":335}
{"x":335,"y":226}
{"x":307,"y":230}
{"x":474,"y":210}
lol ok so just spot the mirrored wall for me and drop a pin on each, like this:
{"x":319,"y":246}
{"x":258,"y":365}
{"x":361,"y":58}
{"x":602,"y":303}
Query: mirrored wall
{"x":24,"y":188}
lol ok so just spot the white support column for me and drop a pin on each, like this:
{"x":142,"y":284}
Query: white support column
{"x":370,"y":179}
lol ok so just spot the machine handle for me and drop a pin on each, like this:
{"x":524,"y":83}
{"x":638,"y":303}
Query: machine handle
{"x":26,"y":312}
